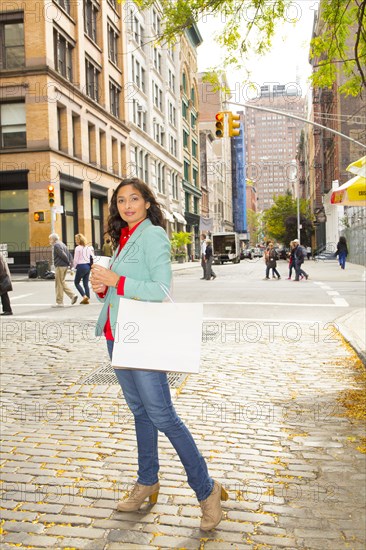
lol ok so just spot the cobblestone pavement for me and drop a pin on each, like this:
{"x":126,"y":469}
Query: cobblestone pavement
{"x":265,"y":412}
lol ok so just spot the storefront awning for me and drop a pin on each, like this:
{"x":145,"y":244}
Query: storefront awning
{"x":179,"y":218}
{"x":168,"y":216}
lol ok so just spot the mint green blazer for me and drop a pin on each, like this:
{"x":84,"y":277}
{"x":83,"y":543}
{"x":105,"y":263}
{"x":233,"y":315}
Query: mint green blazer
{"x":145,"y":262}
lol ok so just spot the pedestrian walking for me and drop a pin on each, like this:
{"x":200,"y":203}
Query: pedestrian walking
{"x":203,"y":255}
{"x":299,"y":260}
{"x":5,"y":286}
{"x":342,"y":251}
{"x":62,"y":259}
{"x":107,"y":249}
{"x":308,"y":252}
{"x":209,"y":259}
{"x":291,"y":262}
{"x":271,"y":262}
{"x":83,"y":258}
{"x":136,"y":218}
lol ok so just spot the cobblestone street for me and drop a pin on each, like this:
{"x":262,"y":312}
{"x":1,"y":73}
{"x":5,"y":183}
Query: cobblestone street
{"x":265,"y":410}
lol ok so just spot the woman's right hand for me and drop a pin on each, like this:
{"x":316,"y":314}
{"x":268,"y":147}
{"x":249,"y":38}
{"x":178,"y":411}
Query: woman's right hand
{"x":97,"y":287}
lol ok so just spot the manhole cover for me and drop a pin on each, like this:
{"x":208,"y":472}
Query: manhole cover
{"x":105,"y":376}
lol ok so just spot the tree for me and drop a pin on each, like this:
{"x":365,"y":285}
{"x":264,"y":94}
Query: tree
{"x":254,"y":226}
{"x":179,"y":241}
{"x":249,"y":27}
{"x":280,"y":221}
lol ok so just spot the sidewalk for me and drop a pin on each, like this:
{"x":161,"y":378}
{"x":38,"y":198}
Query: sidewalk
{"x":266,"y":413}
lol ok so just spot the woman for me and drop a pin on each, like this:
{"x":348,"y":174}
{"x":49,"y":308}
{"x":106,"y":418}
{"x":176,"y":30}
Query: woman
{"x":209,"y":259}
{"x":5,"y":286}
{"x":291,"y":262}
{"x":83,"y":258}
{"x":342,"y":251}
{"x":139,"y":266}
{"x":271,"y":261}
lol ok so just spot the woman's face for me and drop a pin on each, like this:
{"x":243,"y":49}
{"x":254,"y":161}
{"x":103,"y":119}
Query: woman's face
{"x":131,"y":205}
{"x":77,"y":240}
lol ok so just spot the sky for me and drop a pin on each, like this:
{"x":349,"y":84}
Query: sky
{"x":287,"y":59}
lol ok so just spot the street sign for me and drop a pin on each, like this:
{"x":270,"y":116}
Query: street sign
{"x":58,"y":209}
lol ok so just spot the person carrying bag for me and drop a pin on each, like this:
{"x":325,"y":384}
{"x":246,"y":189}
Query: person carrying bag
{"x":140,"y":269}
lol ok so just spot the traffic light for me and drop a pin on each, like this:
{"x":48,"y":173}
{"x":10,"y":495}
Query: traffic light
{"x":234,"y":125}
{"x":220,"y":125}
{"x":39,"y":216}
{"x":51,"y":194}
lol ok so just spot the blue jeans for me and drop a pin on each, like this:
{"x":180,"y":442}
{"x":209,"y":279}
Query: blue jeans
{"x":147,"y":394}
{"x":342,"y":259}
{"x":82,"y":272}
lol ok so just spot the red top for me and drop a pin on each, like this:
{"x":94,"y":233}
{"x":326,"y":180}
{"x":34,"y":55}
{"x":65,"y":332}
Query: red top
{"x":125,"y":235}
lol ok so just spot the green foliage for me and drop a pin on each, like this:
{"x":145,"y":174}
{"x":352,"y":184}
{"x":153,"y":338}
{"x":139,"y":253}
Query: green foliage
{"x":248,"y":28}
{"x":280,"y":221}
{"x":179,"y":241}
{"x":340,"y":47}
{"x":254,"y":222}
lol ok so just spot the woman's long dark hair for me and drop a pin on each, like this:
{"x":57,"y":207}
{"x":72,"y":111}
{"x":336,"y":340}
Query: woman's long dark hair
{"x":342,"y":240}
{"x":115,"y":222}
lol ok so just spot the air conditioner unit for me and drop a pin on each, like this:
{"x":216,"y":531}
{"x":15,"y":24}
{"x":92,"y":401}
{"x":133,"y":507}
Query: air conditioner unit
{"x":140,"y":108}
{"x":154,"y":119}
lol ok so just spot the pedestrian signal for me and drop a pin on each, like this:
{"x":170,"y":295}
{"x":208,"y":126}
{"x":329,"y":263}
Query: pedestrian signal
{"x":220,"y":125}
{"x":39,"y":216}
{"x":51,"y":195}
{"x":234,"y":125}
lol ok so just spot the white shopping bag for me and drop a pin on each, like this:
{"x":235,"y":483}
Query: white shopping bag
{"x":158,"y":336}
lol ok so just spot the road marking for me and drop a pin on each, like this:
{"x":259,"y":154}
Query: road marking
{"x":325,"y":287}
{"x":332,"y":293}
{"x":340,"y":302}
{"x":21,"y":296}
{"x":260,"y":320}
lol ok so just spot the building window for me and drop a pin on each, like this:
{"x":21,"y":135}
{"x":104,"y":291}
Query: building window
{"x":138,"y":74}
{"x":184,"y":83}
{"x":195,"y":205}
{"x":156,"y":22}
{"x":193,"y":120}
{"x":92,"y":144}
{"x":65,"y":4}
{"x":12,"y":125}
{"x":194,"y":149}
{"x":160,"y":177}
{"x":114,"y":97}
{"x":193,"y":96}
{"x":90,"y":19}
{"x":186,"y":170}
{"x":171,"y":80}
{"x":112,"y":44}
{"x":172,"y":114}
{"x":62,"y":134}
{"x":174,"y":183}
{"x":63,"y":55}
{"x":184,"y":110}
{"x":157,"y":59}
{"x":173,"y":146}
{"x":187,"y":201}
{"x":92,"y":80}
{"x":137,"y":30}
{"x":157,"y":96}
{"x":195,"y":176}
{"x":185,"y":139}
{"x":12,"y":43}
{"x":76,"y":135}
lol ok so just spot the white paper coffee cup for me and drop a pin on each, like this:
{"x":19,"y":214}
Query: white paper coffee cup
{"x":103,"y":261}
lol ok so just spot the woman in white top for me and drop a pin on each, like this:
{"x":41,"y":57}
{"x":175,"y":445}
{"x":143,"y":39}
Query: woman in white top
{"x":83,"y":257}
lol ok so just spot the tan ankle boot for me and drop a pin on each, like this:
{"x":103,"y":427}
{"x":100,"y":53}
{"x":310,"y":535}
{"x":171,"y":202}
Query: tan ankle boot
{"x":211,"y":507}
{"x":137,"y":496}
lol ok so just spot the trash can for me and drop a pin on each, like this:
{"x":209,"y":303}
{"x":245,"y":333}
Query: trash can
{"x":42,"y":267}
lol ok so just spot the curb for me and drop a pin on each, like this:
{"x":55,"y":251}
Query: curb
{"x":350,"y":336}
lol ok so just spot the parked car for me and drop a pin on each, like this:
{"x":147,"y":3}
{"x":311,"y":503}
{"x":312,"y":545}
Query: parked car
{"x":246,"y":254}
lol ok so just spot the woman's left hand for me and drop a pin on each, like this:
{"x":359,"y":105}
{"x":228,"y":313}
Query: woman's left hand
{"x":101,"y":275}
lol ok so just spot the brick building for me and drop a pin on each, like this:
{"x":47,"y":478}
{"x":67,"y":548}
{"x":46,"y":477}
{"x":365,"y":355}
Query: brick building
{"x":62,"y":120}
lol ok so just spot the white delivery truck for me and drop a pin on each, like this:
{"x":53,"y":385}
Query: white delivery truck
{"x":226,"y":247}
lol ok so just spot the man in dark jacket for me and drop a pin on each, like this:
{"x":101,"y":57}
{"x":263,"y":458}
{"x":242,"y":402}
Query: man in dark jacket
{"x":299,"y":260}
{"x":5,"y":286}
{"x":63,"y":260}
